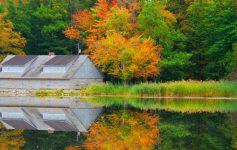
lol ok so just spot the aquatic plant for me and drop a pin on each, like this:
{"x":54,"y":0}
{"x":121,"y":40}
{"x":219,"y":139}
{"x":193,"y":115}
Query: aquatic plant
{"x":171,"y":89}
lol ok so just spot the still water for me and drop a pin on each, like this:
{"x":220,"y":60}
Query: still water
{"x":117,"y":123}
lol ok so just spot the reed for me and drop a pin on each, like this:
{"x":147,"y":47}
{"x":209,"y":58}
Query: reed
{"x":168,"y":89}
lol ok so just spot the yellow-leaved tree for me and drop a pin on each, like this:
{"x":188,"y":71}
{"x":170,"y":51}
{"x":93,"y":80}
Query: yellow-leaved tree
{"x":11,"y":139}
{"x":113,"y":40}
{"x":11,"y":42}
{"x":126,"y":58}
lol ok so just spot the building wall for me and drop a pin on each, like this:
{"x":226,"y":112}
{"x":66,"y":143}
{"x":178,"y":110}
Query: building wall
{"x":13,"y":68}
{"x":50,"y":69}
{"x":88,"y":70}
{"x":56,"y":69}
{"x":34,"y":84}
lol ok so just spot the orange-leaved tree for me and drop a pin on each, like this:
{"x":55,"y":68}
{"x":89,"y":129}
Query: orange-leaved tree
{"x":113,"y":40}
{"x":11,"y":139}
{"x":126,"y":58}
{"x":72,"y":148}
{"x":11,"y":42}
{"x":124,"y":130}
{"x":89,"y":25}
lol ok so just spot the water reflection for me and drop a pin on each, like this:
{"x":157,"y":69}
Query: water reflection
{"x":177,"y":105}
{"x":117,"y":123}
{"x":123,"y":129}
{"x":71,"y":116}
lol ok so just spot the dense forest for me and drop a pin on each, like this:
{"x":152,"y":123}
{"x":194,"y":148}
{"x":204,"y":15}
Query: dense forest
{"x":131,"y":40}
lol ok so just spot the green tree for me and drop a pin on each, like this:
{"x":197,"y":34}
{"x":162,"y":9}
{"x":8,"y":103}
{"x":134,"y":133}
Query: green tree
{"x":157,"y":22}
{"x":212,"y":32}
{"x":41,"y":23}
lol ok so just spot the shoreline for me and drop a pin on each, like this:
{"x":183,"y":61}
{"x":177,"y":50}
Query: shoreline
{"x":79,"y":93}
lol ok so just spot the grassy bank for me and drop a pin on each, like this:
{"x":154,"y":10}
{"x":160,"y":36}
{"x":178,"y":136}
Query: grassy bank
{"x":168,"y":89}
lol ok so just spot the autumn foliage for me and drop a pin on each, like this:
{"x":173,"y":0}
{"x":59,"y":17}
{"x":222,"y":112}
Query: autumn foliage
{"x":124,"y":130}
{"x":110,"y":32}
{"x":11,"y":42}
{"x":126,"y":58}
{"x":13,"y":140}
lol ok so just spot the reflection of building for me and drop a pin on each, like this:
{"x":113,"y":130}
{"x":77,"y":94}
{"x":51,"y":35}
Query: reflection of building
{"x":48,"y":72}
{"x":79,"y":118}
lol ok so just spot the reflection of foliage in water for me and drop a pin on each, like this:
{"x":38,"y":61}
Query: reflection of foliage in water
{"x":11,"y":139}
{"x":195,"y":131}
{"x":55,"y":141}
{"x":72,"y":148}
{"x":185,"y":124}
{"x":123,"y":126}
{"x":124,"y":130}
{"x":179,"y":105}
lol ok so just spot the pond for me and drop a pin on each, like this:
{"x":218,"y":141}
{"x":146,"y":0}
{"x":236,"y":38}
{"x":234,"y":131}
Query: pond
{"x":117,"y":123}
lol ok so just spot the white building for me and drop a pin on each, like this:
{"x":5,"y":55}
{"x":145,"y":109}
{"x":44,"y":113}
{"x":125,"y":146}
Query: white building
{"x":48,"y":72}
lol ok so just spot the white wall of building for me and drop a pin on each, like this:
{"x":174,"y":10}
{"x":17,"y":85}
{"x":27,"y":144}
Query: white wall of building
{"x":55,"y":69}
{"x":14,"y":69}
{"x":12,"y":115}
{"x":88,"y":70}
{"x":50,"y":116}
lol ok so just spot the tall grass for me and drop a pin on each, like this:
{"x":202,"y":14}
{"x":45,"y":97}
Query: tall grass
{"x":168,"y":89}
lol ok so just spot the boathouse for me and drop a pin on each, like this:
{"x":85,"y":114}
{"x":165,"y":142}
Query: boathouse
{"x":34,"y":72}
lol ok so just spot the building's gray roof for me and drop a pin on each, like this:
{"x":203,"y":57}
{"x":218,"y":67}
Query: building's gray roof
{"x":60,"y":125}
{"x":61,"y":60}
{"x":35,"y":69}
{"x":19,"y":60}
{"x":19,"y":124}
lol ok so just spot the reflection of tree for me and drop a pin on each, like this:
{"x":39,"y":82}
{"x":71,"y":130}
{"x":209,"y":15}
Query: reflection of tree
{"x":195,"y":131}
{"x":233,"y":118}
{"x":11,"y":139}
{"x":124,"y":130}
{"x":178,"y":105}
{"x":72,"y":148}
{"x":56,"y":141}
